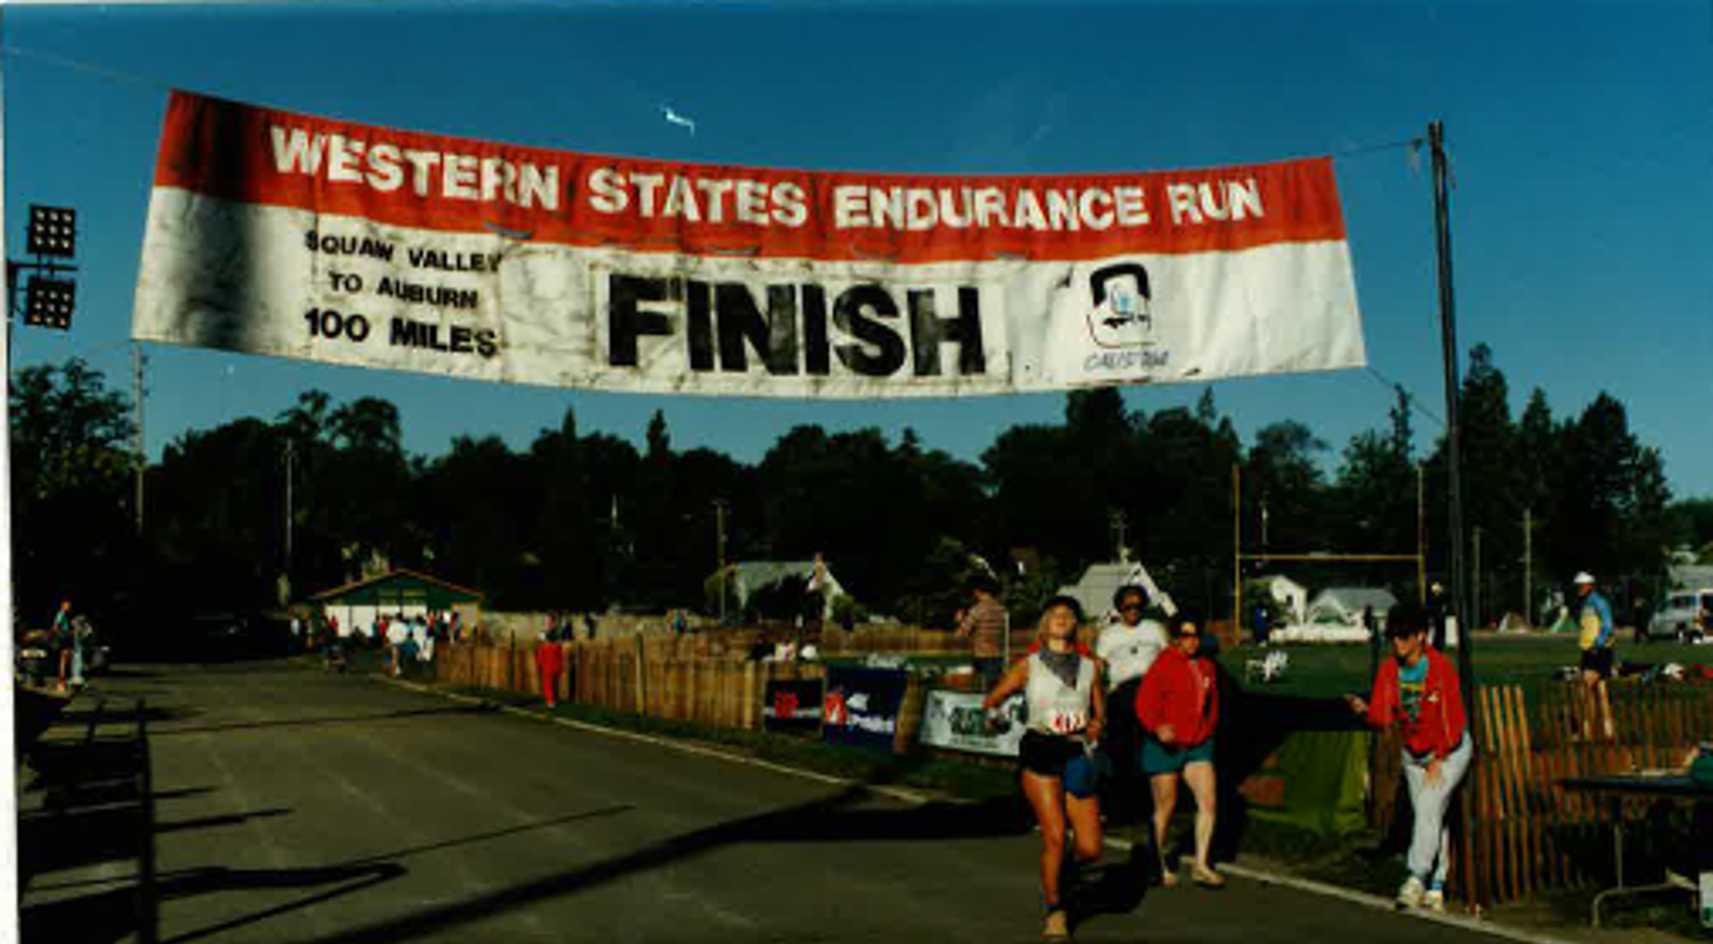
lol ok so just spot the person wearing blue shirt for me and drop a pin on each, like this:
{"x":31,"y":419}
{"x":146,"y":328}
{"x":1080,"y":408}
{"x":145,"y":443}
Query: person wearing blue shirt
{"x":1596,"y":636}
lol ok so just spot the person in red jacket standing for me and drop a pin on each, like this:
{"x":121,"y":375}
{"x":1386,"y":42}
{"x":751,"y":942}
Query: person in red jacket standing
{"x":550,"y":660}
{"x":1178,"y":705}
{"x":1417,"y":691}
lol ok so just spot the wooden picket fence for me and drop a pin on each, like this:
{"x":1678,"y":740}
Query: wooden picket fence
{"x":1530,"y":835}
{"x":678,"y":678}
{"x":875,"y":637}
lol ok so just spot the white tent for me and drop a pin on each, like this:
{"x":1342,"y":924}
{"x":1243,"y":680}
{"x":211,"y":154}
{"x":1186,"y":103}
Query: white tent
{"x":751,"y":577}
{"x":1335,"y":615}
{"x":1100,"y":581}
{"x":1344,"y":605}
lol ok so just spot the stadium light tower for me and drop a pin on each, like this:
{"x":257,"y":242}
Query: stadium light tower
{"x":49,"y":297}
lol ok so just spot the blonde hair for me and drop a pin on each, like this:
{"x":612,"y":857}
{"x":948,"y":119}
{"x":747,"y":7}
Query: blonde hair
{"x":1055,"y":603}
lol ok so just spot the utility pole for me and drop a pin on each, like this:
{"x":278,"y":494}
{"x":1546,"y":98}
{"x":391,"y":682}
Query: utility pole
{"x":1475,"y":612}
{"x":720,"y":505}
{"x":1237,"y":549}
{"x":1454,"y":464}
{"x":1421,"y":537}
{"x":139,"y":459}
{"x":290,"y":454}
{"x":1453,"y":429}
{"x":1528,"y":568}
{"x":1264,"y":520}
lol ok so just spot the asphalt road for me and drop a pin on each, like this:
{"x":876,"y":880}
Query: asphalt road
{"x":268,"y":802}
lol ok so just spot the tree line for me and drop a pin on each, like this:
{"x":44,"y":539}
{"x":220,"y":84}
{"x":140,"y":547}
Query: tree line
{"x":586,"y":521}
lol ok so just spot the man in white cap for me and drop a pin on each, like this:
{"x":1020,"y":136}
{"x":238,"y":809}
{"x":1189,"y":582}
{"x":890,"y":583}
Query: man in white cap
{"x":1594,"y":619}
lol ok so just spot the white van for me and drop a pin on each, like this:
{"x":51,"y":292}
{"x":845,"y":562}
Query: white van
{"x":1685,"y":616}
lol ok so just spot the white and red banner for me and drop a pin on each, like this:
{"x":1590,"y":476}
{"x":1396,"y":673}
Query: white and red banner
{"x":277,"y":233}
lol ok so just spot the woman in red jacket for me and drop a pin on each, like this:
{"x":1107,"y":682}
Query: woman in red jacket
{"x":1178,"y":704}
{"x":1417,"y":691}
{"x":550,"y":660}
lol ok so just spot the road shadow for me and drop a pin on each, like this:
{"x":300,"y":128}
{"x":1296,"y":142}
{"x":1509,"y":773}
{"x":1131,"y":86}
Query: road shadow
{"x":94,"y":807}
{"x":131,"y":672}
{"x":103,"y":710}
{"x":846,"y":816}
{"x":319,"y":721}
{"x":98,"y":806}
{"x":33,"y":713}
{"x":1117,"y":886}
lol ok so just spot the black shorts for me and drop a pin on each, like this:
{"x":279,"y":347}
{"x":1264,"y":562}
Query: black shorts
{"x":1063,"y":759}
{"x":1047,"y":754}
{"x":1598,"y":659}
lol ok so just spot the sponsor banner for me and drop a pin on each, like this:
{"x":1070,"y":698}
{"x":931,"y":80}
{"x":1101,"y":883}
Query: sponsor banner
{"x":861,"y":706}
{"x":278,"y":233}
{"x":792,"y":705}
{"x":955,"y":720}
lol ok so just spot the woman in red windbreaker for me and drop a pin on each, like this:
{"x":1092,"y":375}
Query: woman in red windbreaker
{"x":550,"y":660}
{"x":1417,"y":691}
{"x":1178,"y":705}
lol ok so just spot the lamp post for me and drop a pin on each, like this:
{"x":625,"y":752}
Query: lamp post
{"x":720,"y":506}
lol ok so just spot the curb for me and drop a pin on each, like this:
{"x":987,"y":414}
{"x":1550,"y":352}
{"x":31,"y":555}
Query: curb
{"x":1367,"y":900}
{"x":1261,"y":876}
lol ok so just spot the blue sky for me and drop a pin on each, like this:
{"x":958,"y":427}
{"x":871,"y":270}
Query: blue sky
{"x":1581,"y":136}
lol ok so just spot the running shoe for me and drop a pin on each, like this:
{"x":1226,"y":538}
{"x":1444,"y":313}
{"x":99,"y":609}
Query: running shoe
{"x":1410,"y":894}
{"x":1057,"y":926}
{"x":1434,"y":900}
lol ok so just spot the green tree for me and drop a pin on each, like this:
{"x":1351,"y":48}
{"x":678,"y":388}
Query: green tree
{"x":72,"y":518}
{"x":478,"y":507}
{"x":370,"y":478}
{"x":217,"y":514}
{"x":1610,"y":516}
{"x":575,"y":540}
{"x":68,"y":430}
{"x":1691,"y":524}
{"x":1282,"y":473}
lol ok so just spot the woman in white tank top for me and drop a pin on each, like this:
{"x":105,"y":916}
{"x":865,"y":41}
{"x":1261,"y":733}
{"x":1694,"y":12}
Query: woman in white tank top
{"x":1060,"y":682}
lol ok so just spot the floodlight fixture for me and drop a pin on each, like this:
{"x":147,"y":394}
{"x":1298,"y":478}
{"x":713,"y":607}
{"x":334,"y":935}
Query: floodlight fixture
{"x":52,"y":232}
{"x":48,"y":303}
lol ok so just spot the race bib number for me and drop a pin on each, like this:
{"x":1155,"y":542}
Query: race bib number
{"x":1066,"y":722}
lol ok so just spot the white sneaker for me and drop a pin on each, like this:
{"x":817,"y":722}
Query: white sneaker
{"x":1434,"y":900}
{"x":1410,"y":893}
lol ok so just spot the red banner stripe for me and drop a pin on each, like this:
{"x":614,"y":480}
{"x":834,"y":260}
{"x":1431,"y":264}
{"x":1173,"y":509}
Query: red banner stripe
{"x":266,"y":156}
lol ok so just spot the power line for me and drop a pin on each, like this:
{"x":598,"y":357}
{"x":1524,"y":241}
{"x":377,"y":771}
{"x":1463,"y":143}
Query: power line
{"x":1415,"y":402}
{"x":1414,"y":143}
{"x":80,"y":65}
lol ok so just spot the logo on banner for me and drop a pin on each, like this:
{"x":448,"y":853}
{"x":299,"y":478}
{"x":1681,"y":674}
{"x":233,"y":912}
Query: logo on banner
{"x":1121,"y":316}
{"x":833,"y":708}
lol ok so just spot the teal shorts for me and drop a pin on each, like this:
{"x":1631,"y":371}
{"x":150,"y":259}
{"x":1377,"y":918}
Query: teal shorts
{"x":1157,"y":758}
